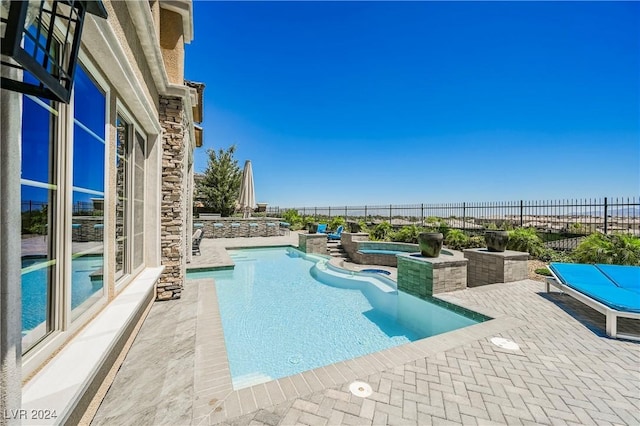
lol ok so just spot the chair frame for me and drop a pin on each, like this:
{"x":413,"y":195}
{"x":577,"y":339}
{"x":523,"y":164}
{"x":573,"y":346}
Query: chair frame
{"x":610,"y":314}
{"x":195,"y":243}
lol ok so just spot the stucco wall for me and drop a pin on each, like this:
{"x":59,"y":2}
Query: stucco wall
{"x":123,"y":26}
{"x":172,"y":45}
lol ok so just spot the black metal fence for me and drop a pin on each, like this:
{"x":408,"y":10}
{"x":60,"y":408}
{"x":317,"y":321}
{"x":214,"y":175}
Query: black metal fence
{"x":560,"y":223}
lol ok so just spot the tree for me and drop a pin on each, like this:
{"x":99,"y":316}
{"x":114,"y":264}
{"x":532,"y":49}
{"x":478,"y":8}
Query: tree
{"x":221,"y":182}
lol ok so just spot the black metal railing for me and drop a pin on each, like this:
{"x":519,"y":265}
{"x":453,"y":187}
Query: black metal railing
{"x":560,"y":223}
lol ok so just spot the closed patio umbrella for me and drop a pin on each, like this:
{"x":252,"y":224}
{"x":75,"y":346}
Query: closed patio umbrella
{"x":247,"y":199}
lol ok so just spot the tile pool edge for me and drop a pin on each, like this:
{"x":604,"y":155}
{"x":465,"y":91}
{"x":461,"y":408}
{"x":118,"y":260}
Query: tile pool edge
{"x":215,"y":399}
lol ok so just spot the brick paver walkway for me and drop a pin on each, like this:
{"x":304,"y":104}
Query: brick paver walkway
{"x":565,"y":372}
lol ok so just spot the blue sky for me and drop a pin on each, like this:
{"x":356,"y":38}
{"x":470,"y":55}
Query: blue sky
{"x":351,"y":103}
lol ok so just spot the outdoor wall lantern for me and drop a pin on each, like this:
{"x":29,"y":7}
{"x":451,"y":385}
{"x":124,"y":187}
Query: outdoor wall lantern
{"x":42,"y":38}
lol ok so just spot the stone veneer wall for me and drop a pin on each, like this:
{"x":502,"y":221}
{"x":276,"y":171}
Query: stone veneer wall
{"x":244,"y":230}
{"x":312,"y":243}
{"x":174,"y":196}
{"x":349,"y":241}
{"x":486,"y":267}
{"x":424,"y":277}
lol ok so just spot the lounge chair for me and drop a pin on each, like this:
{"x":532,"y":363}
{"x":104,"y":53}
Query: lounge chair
{"x":336,"y":235}
{"x":612,"y":290}
{"x":195,"y":243}
{"x":322,"y":228}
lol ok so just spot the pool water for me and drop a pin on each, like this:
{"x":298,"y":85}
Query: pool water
{"x":279,"y":320}
{"x":34,"y":286}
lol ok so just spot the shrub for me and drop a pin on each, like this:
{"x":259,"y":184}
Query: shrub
{"x":456,"y":239}
{"x":543,"y":271}
{"x":407,"y":234}
{"x":381,"y":231}
{"x":293,"y":218}
{"x":616,"y":249}
{"x":551,"y":255}
{"x":337,"y":221}
{"x":476,"y":241}
{"x":526,"y":239}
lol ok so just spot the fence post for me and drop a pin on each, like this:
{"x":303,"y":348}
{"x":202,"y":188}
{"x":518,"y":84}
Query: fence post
{"x":605,"y":214}
{"x":329,"y":213}
{"x":464,"y":216}
{"x":346,"y":216}
{"x":390,"y":212}
{"x":521,"y":213}
{"x":422,"y":214}
{"x":365,"y":214}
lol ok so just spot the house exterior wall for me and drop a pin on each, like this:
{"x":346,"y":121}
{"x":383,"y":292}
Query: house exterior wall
{"x":172,"y":43}
{"x":118,"y":56}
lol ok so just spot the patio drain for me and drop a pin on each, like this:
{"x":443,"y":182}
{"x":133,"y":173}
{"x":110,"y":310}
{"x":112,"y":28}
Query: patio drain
{"x":505,"y":343}
{"x":360,"y":389}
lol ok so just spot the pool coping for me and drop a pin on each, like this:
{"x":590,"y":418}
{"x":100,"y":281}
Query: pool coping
{"x":216,"y":400}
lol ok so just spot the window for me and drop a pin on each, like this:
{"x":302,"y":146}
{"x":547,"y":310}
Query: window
{"x":138,"y":201}
{"x":122,"y":180}
{"x":87,"y":227}
{"x":62,"y":243}
{"x":39,"y":191}
{"x":130,"y":188}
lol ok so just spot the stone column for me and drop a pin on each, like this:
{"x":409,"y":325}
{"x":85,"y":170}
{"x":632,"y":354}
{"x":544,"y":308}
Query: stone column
{"x":172,"y":212}
{"x":10,"y":254}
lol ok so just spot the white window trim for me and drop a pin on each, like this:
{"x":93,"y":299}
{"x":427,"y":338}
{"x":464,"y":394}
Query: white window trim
{"x":123,"y":279}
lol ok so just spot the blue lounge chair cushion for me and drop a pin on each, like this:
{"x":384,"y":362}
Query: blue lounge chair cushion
{"x":591,"y":281}
{"x":322,"y":228}
{"x":624,"y":276}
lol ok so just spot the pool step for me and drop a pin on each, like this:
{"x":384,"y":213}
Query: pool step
{"x":250,"y":379}
{"x":334,"y":248}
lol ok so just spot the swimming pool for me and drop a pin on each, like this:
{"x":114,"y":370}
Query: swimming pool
{"x":284,"y":312}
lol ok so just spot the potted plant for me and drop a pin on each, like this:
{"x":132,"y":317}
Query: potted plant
{"x":496,"y":240}
{"x":430,"y":243}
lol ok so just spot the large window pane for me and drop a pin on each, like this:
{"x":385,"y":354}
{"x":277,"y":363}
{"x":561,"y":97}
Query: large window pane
{"x":138,"y":196}
{"x":122,"y":193}
{"x":87,"y":225}
{"x":38,"y":214}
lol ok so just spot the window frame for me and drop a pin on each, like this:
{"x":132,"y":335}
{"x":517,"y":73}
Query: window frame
{"x":62,"y":327}
{"x":134,"y":129}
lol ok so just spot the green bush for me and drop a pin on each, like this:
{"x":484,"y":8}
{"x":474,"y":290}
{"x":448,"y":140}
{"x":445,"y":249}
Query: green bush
{"x":381,"y":231}
{"x":337,"y":221}
{"x":407,"y":234}
{"x":476,"y":241}
{"x":615,"y":249}
{"x":456,"y":240}
{"x":543,"y":271}
{"x":293,"y":218}
{"x":551,"y":255}
{"x":526,"y":239}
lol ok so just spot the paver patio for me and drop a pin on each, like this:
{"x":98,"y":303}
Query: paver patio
{"x":566,"y":371}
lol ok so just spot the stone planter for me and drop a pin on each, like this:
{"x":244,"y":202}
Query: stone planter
{"x":496,"y":240}
{"x":430,"y":243}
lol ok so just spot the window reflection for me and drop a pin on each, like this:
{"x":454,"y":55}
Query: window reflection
{"x":37,"y":212}
{"x":122,"y":178}
{"x":138,"y":196}
{"x":87,"y":224}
